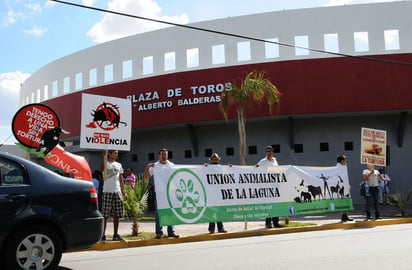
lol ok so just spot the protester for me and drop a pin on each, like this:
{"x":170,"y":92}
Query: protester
{"x":214,"y":160}
{"x":383,"y":186}
{"x":371,"y":178}
{"x":112,"y":191}
{"x":162,"y":162}
{"x":267,"y":161}
{"x":341,"y":161}
{"x":130,"y":177}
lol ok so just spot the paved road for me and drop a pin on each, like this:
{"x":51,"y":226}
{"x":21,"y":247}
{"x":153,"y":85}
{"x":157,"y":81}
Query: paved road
{"x":381,"y":247}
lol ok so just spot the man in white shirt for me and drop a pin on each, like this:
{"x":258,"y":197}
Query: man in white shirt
{"x":163,"y":162}
{"x":267,"y":161}
{"x":371,"y":178}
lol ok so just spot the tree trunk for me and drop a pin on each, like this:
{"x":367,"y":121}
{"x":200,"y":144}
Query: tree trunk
{"x":241,"y":122}
{"x":135,"y":229}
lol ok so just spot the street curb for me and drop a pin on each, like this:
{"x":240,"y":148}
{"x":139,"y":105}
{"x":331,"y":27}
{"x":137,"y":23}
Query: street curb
{"x":260,"y":232}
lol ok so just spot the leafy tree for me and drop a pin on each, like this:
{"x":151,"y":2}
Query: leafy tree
{"x":136,"y":203}
{"x":253,"y":88}
{"x":397,"y":200}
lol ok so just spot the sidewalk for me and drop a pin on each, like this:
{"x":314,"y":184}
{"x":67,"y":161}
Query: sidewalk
{"x":198,"y":232}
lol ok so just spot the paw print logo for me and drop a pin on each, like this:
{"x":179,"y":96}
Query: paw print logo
{"x":186,"y":195}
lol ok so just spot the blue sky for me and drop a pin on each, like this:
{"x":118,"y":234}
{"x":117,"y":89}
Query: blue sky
{"x":36,"y":32}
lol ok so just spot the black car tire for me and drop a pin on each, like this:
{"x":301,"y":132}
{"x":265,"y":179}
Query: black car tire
{"x":34,"y":248}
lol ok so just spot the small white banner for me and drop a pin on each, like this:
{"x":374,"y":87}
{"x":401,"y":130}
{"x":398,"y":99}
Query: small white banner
{"x":106,"y":123}
{"x":373,"y":147}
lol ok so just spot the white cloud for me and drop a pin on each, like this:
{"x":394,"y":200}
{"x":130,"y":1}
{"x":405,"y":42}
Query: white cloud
{"x":10,"y":18}
{"x":9,"y":100}
{"x":36,"y":31}
{"x":115,"y":26}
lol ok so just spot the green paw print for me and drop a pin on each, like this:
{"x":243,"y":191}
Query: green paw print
{"x":187,"y":196}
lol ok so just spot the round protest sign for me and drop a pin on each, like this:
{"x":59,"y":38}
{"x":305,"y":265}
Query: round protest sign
{"x":31,"y":121}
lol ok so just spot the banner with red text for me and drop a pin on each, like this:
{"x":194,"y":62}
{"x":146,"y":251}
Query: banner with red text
{"x":373,"y":147}
{"x":106,"y":123}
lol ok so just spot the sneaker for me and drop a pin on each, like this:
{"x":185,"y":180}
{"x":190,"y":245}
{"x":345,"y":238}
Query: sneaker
{"x":117,"y":237}
{"x":269,"y":226}
{"x":277,"y":225}
{"x":223,"y":231}
{"x":158,"y":236}
{"x":103,"y":239}
{"x":211,"y":232}
{"x":173,"y":235}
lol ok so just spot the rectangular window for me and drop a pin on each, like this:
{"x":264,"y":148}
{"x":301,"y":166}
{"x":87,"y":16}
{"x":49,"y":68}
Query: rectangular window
{"x":230,"y":151}
{"x":208,"y":152}
{"x":272,"y":49}
{"x":192,"y":57}
{"x":127,"y":69}
{"x":108,"y":73}
{"x":66,"y":85}
{"x":324,"y":147}
{"x":170,"y":154}
{"x":276,"y":148}
{"x":151,"y":156}
{"x":170,"y":61}
{"x":348,"y":146}
{"x":38,"y":96}
{"x":147,"y":65}
{"x":298,"y":148}
{"x":243,"y":51}
{"x":391,"y":40}
{"x":188,"y":153}
{"x":134,"y":158}
{"x":93,"y":77}
{"x":55,"y":89}
{"x":218,"y":54}
{"x":252,"y":150}
{"x":361,"y":40}
{"x":302,"y":42}
{"x":46,"y":92}
{"x":79,"y":81}
{"x":331,"y":42}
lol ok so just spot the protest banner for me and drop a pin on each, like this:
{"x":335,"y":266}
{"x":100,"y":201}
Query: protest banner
{"x":106,"y":123}
{"x":197,"y":194}
{"x":373,"y":147}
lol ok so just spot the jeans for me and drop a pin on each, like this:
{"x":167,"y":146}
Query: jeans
{"x":219,"y":227}
{"x":372,"y":198}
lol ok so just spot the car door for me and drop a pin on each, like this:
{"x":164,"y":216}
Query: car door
{"x":15,"y":193}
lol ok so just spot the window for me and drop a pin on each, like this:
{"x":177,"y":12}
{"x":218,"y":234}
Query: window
{"x":147,"y":65}
{"x":218,"y":54}
{"x":252,"y":150}
{"x":208,"y":152}
{"x":361,"y":41}
{"x":230,"y":151}
{"x":348,"y":146}
{"x":170,"y":154}
{"x":391,"y":40}
{"x":151,"y":156}
{"x":108,"y":73}
{"x":243,"y":51}
{"x":93,"y":77}
{"x":11,"y":173}
{"x":46,"y":92}
{"x":38,"y":95}
{"x":127,"y":69}
{"x":192,"y":57}
{"x":271,"y":49}
{"x":55,"y":89}
{"x":276,"y":148}
{"x":79,"y":81}
{"x":298,"y":148}
{"x":324,"y":147}
{"x":134,"y":158}
{"x":303,"y":42}
{"x":331,"y":42}
{"x":66,"y":85}
{"x":170,"y":61}
{"x":188,"y":153}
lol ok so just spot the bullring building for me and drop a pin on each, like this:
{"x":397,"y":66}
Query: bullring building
{"x":338,"y":68}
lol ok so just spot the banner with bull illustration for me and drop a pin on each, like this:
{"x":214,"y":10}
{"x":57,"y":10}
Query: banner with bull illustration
{"x":197,"y":194}
{"x":106,"y":122}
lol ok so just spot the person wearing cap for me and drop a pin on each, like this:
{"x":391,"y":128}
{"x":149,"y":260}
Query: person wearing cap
{"x":112,"y":191}
{"x":269,"y":160}
{"x":214,"y":160}
{"x":162,"y":162}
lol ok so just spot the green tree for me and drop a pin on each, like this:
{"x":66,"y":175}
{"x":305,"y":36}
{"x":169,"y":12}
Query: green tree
{"x":254,"y":87}
{"x":136,"y":203}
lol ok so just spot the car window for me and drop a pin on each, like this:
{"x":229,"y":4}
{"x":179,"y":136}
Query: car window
{"x":11,"y":173}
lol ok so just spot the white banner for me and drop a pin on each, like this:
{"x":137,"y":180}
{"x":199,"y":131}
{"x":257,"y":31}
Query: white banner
{"x":195,"y":193}
{"x":373,"y":147}
{"x":106,"y":123}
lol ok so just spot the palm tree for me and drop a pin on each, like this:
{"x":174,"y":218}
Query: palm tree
{"x":254,"y":87}
{"x":136,"y":203}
